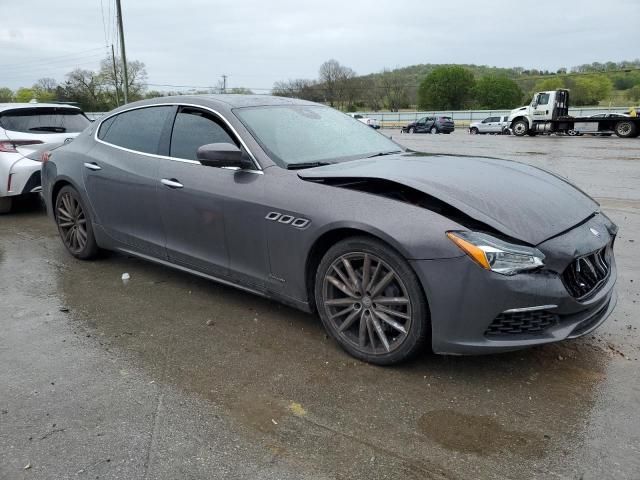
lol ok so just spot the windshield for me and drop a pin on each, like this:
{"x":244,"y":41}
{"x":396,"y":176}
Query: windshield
{"x":308,"y":134}
{"x":44,"y":120}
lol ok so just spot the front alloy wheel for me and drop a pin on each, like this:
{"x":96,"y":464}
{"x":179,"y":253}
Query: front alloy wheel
{"x":434,"y":130}
{"x":370,"y":301}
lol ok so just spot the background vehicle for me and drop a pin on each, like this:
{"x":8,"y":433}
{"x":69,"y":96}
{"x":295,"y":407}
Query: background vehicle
{"x":592,"y":127}
{"x":496,"y":125}
{"x":24,"y":127}
{"x":372,"y":122}
{"x":549,"y":113}
{"x":438,"y":124}
{"x":298,"y":202}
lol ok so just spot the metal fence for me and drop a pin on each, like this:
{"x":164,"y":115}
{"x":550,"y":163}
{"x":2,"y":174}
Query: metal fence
{"x":465,"y":117}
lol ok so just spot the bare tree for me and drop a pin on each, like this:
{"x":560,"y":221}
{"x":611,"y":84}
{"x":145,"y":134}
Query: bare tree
{"x":112,"y":81}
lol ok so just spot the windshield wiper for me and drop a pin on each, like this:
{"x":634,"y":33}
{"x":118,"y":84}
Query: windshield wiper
{"x":48,"y":129}
{"x":298,"y":166}
{"x":381,"y":154}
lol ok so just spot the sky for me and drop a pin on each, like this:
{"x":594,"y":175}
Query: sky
{"x":255,"y":43}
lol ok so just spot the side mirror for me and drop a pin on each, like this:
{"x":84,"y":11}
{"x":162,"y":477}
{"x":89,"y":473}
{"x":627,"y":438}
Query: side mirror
{"x":220,"y":155}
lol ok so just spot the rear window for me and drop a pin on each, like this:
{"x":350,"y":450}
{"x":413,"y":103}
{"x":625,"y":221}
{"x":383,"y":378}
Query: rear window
{"x":44,"y":120}
{"x":445,"y":119}
{"x":138,"y":130}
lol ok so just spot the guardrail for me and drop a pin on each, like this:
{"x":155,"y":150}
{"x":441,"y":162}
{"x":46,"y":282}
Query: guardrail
{"x":463,"y":118}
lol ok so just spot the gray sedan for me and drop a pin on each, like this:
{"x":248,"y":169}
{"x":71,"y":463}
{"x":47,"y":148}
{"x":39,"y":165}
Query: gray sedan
{"x":298,"y":202}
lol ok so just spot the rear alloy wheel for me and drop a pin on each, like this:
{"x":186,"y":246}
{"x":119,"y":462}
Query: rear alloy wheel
{"x":473,"y":131}
{"x":74,"y":224}
{"x":434,"y":130}
{"x":5,"y":204}
{"x":520,"y":128}
{"x":371,"y":302}
{"x":626,"y":129}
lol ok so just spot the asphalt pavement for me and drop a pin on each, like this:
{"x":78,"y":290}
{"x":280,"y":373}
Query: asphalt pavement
{"x":169,"y":376}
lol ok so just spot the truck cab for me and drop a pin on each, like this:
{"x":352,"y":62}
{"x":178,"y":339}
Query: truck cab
{"x":539,"y":116}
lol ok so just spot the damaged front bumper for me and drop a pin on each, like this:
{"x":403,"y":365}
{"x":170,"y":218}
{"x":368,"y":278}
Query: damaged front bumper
{"x":476,"y":311}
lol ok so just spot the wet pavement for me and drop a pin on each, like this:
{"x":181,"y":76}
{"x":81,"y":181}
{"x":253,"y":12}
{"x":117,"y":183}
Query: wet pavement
{"x":171,"y":376}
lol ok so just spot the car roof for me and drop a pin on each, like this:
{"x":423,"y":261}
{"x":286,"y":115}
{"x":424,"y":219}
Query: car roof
{"x":228,"y":101}
{"x":12,"y":106}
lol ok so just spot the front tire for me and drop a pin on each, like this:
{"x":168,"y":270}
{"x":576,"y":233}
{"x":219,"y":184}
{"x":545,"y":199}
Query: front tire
{"x":473,"y":131}
{"x":74,"y":224}
{"x":371,"y":302}
{"x":520,"y":128}
{"x":411,"y":130}
{"x":433,"y":130}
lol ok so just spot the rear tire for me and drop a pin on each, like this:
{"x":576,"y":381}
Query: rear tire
{"x":433,"y":130}
{"x":384,"y":320}
{"x":5,"y":204}
{"x":626,"y":129}
{"x":74,"y":224}
{"x":520,"y":128}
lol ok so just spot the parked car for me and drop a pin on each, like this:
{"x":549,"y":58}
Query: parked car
{"x":295,"y":201}
{"x":439,"y":124}
{"x":372,"y":122}
{"x":493,"y":125}
{"x":23,"y":128}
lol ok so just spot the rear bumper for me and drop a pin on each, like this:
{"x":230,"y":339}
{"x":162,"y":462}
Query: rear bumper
{"x":24,"y":173}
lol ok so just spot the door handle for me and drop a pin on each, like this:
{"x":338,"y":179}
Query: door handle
{"x":92,"y":166}
{"x":171,"y":183}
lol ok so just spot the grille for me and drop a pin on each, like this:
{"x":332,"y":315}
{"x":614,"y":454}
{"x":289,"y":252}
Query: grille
{"x":521,"y":323}
{"x":585,"y":275}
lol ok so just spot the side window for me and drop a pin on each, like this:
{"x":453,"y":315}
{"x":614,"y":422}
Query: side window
{"x":422,"y":120}
{"x":194,"y":128}
{"x":138,"y":130}
{"x":543,"y":98}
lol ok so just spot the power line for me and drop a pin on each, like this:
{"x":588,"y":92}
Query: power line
{"x":40,"y":60}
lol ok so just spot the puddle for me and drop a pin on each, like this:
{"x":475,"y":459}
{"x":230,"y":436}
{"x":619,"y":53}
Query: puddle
{"x":482,"y":435}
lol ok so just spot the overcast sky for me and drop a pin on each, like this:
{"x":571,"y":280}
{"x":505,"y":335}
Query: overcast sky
{"x":194,"y":42}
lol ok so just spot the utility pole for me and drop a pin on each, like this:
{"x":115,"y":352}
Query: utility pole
{"x":115,"y":75}
{"x":123,"y":54}
{"x":224,"y":84}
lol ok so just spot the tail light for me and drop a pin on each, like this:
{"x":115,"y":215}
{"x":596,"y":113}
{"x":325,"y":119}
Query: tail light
{"x":10,"y":146}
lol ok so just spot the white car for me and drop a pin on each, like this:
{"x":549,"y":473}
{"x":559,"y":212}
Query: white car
{"x":24,"y":127}
{"x":499,"y":125}
{"x":372,"y":122}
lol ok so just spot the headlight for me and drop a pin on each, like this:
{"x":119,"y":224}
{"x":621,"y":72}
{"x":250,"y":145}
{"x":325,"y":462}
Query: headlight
{"x":497,"y":255}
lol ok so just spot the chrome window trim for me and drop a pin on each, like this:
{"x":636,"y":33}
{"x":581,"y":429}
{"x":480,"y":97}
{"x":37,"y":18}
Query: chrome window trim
{"x":258,"y":170}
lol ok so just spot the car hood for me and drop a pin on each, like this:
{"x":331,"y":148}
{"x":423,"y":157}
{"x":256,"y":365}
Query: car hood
{"x":519,"y":200}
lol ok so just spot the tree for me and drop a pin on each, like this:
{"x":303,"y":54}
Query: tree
{"x":446,"y":88}
{"x":6,"y":95}
{"x":589,"y":90}
{"x":549,"y":84}
{"x":336,"y":81}
{"x":86,"y":87}
{"x":44,"y":90}
{"x":112,"y":82}
{"x":299,"y":88}
{"x":393,"y":90}
{"x":633,"y":93}
{"x":24,"y":95}
{"x":493,"y":92}
{"x":241,"y":91}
